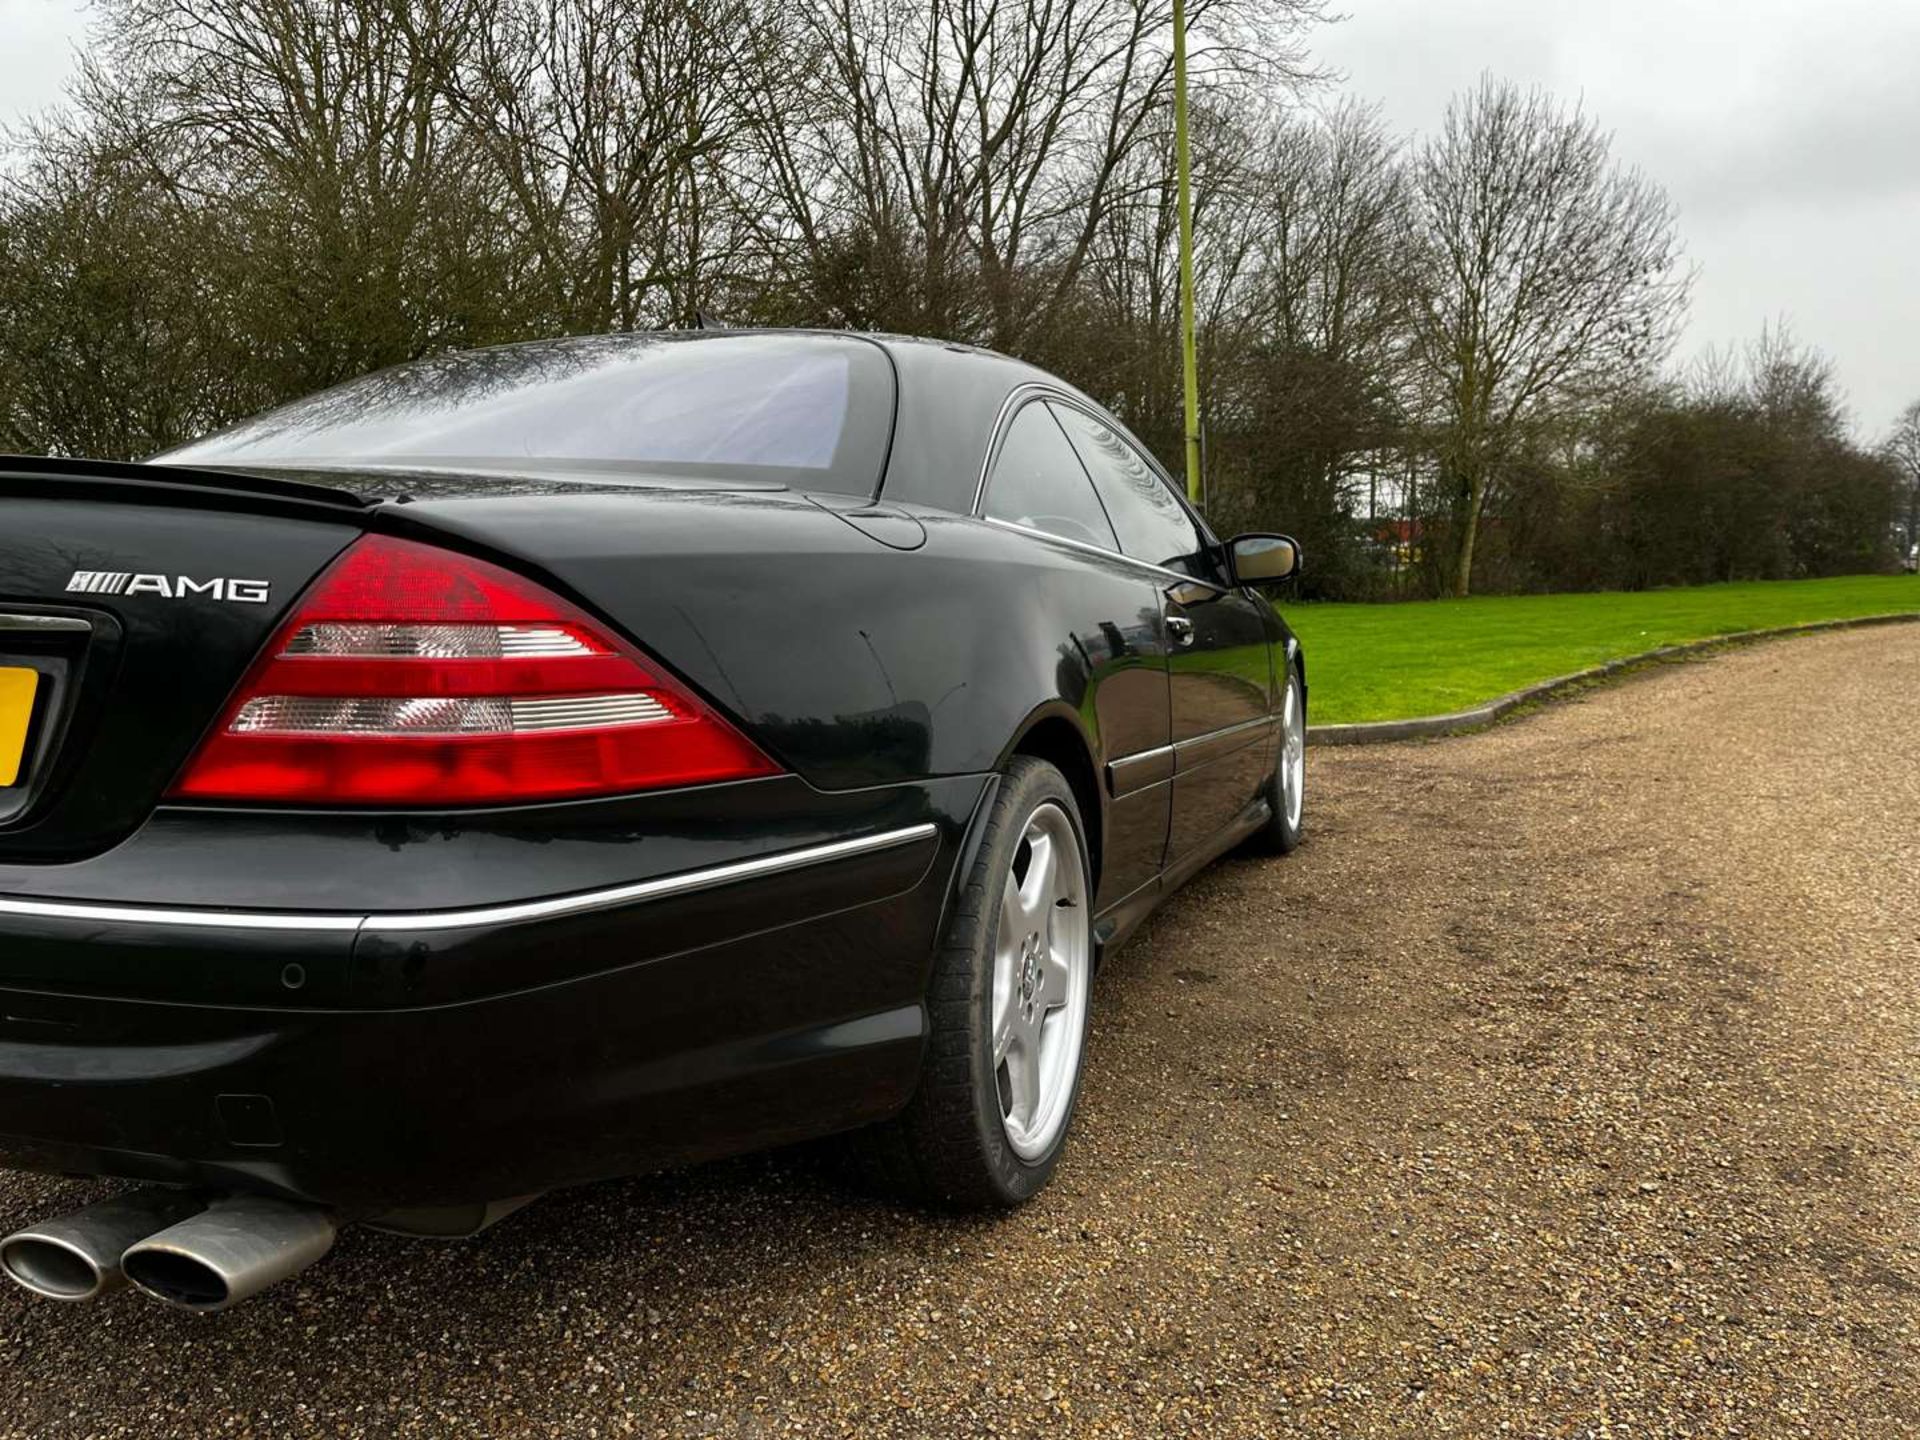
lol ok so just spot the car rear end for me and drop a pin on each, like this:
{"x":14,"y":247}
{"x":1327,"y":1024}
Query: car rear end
{"x":347,"y":858}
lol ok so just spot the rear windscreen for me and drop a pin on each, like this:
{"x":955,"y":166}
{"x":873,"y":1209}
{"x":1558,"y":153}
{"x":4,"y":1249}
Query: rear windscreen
{"x":813,"y":411}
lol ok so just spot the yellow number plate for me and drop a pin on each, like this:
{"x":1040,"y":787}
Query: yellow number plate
{"x":16,"y":709}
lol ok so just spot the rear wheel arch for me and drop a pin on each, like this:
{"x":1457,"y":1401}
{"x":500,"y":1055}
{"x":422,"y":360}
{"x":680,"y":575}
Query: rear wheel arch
{"x":1054,"y":735}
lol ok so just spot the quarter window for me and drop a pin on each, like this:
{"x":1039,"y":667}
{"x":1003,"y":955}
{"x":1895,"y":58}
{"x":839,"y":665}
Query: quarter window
{"x":1151,"y":524}
{"x":1037,"y":481}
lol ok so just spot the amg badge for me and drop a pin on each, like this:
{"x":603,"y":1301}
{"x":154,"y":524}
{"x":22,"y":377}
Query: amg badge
{"x":168,"y":587}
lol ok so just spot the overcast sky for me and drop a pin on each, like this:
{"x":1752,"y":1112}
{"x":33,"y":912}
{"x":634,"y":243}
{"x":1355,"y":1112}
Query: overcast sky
{"x":1787,"y":130}
{"x":1788,"y":134}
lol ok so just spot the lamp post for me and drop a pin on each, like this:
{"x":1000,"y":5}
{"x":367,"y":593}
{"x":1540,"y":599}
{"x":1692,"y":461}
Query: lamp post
{"x":1189,"y":357}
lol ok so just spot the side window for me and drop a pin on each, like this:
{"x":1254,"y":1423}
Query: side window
{"x":1038,"y":481}
{"x":1151,"y":524}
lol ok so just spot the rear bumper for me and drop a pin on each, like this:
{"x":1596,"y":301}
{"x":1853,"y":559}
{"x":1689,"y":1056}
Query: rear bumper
{"x":391,"y":1059}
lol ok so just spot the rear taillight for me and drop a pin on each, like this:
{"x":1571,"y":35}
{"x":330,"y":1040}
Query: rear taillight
{"x":417,"y":677}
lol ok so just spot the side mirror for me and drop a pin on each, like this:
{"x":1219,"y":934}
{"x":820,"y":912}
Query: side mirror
{"x":1263,"y":559}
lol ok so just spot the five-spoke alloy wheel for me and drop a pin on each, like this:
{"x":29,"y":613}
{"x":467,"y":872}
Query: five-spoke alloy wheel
{"x":1041,"y":973}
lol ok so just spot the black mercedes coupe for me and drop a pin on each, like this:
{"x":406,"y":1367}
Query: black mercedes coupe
{"x":541,"y":764}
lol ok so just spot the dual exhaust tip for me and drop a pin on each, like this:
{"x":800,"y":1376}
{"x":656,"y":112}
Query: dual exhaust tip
{"x":177,"y":1247}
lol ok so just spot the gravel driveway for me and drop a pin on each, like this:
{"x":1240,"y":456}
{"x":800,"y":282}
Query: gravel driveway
{"x":1566,"y":1083}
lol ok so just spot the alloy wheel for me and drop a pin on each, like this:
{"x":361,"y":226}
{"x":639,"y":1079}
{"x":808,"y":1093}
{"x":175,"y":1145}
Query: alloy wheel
{"x":1042,"y":969}
{"x":1293,"y":755}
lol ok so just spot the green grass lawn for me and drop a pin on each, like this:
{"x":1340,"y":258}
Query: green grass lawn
{"x":1386,"y":662}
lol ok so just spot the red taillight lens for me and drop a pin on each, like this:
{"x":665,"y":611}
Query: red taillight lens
{"x":413,"y":676}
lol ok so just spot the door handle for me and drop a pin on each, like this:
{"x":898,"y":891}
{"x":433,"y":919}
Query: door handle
{"x":1181,"y":629}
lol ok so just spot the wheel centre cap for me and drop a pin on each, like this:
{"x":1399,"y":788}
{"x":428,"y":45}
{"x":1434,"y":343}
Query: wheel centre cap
{"x":1029,"y":967}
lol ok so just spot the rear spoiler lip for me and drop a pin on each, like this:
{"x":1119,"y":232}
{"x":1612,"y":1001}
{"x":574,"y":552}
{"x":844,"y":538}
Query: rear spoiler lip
{"x":177,"y":480}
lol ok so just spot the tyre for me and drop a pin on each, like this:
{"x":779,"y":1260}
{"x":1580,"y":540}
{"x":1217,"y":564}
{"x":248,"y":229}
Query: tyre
{"x":1287,"y":789}
{"x":1007,"y":1009}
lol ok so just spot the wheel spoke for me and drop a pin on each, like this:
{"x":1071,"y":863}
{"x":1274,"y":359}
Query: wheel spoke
{"x":1055,"y":979}
{"x":1037,"y":888}
{"x":1023,"y":1074}
{"x":1013,"y":917}
{"x":1006,"y":1015}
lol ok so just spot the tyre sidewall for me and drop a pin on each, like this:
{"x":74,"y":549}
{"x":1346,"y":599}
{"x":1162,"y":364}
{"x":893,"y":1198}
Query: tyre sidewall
{"x":1278,"y":836}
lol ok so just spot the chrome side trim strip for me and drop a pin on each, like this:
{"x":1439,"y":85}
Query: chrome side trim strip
{"x":1155,"y":753}
{"x":1225,"y":731}
{"x":158,"y":915}
{"x":684,"y":883}
{"x":1019,"y":396}
{"x":1149,"y":767}
{"x":1139,"y":770}
{"x":1196,"y":750}
{"x":1100,"y":550}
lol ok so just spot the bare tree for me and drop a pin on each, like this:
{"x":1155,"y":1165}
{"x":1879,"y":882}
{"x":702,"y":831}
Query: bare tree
{"x":1334,"y":240}
{"x":1121,"y":332}
{"x":607,"y":123}
{"x":358,"y":229}
{"x":1902,"y":450}
{"x":106,"y":344}
{"x":974,"y":148}
{"x":1335,"y":253}
{"x":1548,"y":275}
{"x":1793,"y":385}
{"x":1306,"y":332}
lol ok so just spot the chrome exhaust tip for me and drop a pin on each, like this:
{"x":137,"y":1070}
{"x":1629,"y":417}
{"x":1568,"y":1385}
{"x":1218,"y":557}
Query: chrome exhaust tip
{"x":234,"y":1248}
{"x":77,"y":1256}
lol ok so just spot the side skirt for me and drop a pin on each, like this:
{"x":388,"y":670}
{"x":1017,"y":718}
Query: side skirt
{"x":1118,"y":921}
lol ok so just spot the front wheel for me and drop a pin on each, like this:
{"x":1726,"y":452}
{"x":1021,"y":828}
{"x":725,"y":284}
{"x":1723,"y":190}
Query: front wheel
{"x":1287,"y":789}
{"x":1007,"y":1009}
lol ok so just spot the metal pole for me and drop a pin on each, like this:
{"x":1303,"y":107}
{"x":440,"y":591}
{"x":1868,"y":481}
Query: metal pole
{"x":1189,"y":357}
